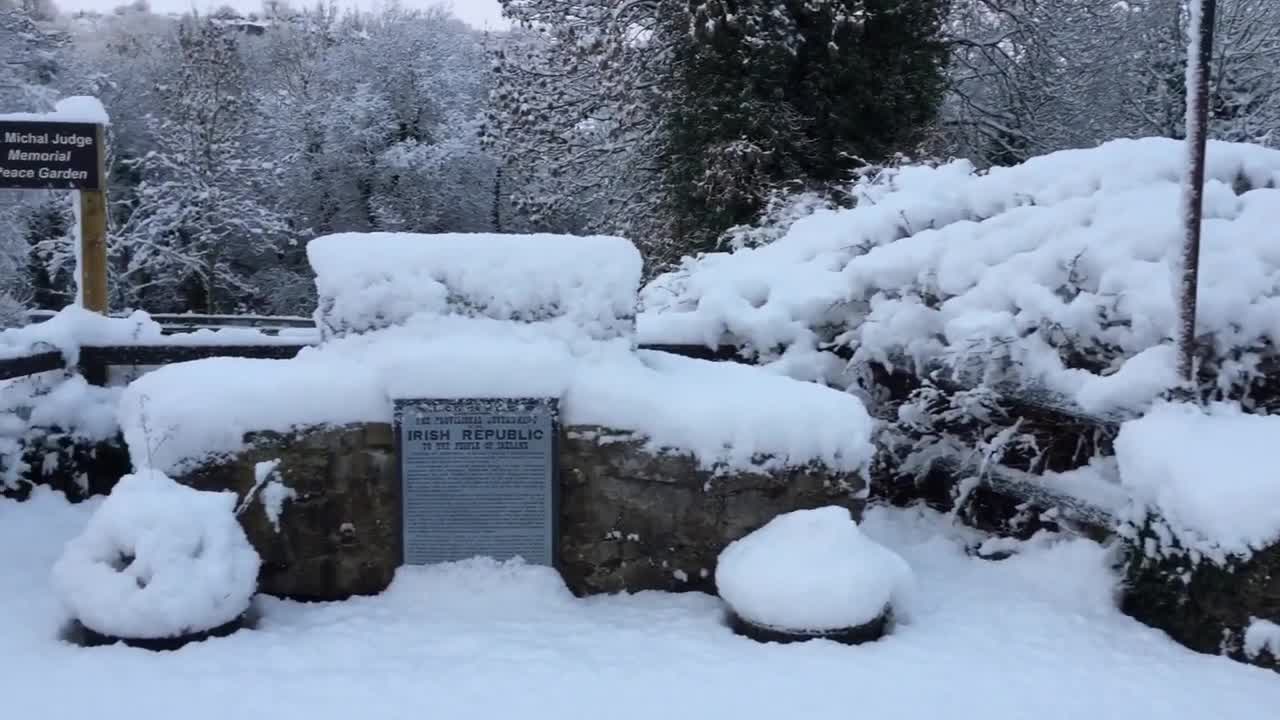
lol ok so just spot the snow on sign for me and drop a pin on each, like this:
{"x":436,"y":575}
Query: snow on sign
{"x":478,"y":477}
{"x":50,"y":155}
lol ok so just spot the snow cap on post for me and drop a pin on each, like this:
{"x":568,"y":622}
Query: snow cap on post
{"x":583,"y":286}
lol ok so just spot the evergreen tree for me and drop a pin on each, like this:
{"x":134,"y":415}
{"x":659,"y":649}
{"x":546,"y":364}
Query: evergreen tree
{"x":797,"y":91}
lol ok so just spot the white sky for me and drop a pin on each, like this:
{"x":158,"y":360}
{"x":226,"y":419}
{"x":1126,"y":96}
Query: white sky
{"x":480,"y":13}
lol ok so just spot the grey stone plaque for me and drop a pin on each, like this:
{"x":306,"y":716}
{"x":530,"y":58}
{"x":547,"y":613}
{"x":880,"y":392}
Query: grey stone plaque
{"x":478,"y":476}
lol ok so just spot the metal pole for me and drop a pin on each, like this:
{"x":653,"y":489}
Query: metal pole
{"x":1199,"y":57}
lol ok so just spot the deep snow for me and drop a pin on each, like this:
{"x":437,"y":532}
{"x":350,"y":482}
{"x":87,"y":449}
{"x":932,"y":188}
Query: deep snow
{"x":1034,"y":636}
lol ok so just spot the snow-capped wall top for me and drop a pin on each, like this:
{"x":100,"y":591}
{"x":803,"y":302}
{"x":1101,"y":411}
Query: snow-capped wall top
{"x":74,"y":109}
{"x":728,"y":416}
{"x":1209,"y":472}
{"x":579,"y":285}
{"x":1072,"y":253}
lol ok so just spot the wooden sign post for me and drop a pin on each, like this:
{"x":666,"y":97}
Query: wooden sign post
{"x":44,"y":153}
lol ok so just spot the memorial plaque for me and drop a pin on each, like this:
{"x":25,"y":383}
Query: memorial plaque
{"x":49,"y":155}
{"x":478,"y":477}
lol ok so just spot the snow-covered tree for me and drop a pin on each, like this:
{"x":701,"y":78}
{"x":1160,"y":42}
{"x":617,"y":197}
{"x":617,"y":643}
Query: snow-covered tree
{"x":327,"y":121}
{"x":580,"y":104}
{"x":797,"y":92}
{"x":199,"y":227}
{"x":31,"y":63}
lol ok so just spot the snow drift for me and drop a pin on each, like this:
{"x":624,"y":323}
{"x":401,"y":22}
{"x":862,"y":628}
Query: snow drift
{"x":1058,"y":272}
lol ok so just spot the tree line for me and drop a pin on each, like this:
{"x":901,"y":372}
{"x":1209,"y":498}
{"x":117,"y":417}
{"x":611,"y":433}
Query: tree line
{"x":685,"y":125}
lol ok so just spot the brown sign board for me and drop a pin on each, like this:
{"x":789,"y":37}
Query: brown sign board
{"x":50,"y":155}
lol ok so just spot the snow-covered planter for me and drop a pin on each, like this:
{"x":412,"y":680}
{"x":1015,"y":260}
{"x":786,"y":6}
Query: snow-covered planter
{"x":159,"y":564}
{"x":811,"y":574}
{"x":1203,"y":540}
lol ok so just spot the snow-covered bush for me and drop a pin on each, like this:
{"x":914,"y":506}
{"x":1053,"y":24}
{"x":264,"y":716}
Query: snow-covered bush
{"x":810,"y":571}
{"x":1056,"y":273}
{"x":158,"y":560}
{"x":1208,"y":473}
{"x":1202,"y":539}
{"x":576,"y":285}
{"x":55,"y":430}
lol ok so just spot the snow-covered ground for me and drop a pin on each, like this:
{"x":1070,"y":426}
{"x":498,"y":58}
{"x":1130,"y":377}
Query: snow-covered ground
{"x":1035,"y":636}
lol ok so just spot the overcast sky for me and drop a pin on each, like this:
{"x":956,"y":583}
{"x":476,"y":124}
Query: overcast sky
{"x":480,"y":13}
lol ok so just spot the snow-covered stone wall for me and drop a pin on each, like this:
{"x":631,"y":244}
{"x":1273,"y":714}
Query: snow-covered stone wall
{"x":563,"y":284}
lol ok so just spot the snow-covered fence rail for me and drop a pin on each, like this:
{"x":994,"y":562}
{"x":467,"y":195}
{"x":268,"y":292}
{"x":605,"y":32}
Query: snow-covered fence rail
{"x":30,"y":364}
{"x":187,"y":322}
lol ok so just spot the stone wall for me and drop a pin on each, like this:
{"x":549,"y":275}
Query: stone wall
{"x":630,"y":519}
{"x":339,"y":535}
{"x":633,"y":520}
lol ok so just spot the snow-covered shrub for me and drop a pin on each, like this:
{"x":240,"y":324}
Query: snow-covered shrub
{"x":58,"y":431}
{"x":1203,"y":536}
{"x":1056,"y":273}
{"x":582,"y":286}
{"x":810,"y":571}
{"x":158,"y":560}
{"x":1209,"y":473}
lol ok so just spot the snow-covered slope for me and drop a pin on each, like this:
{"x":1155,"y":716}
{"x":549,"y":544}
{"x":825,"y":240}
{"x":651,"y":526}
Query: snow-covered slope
{"x":1060,"y":267}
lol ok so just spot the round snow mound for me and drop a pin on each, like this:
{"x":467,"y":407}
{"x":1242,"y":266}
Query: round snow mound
{"x":158,"y":560}
{"x":810,"y":571}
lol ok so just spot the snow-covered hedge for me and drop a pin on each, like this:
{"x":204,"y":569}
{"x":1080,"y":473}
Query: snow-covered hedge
{"x":158,"y":560}
{"x":582,"y":285}
{"x":50,"y":427}
{"x":1208,"y":474}
{"x":1057,"y":272}
{"x":810,"y":570}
